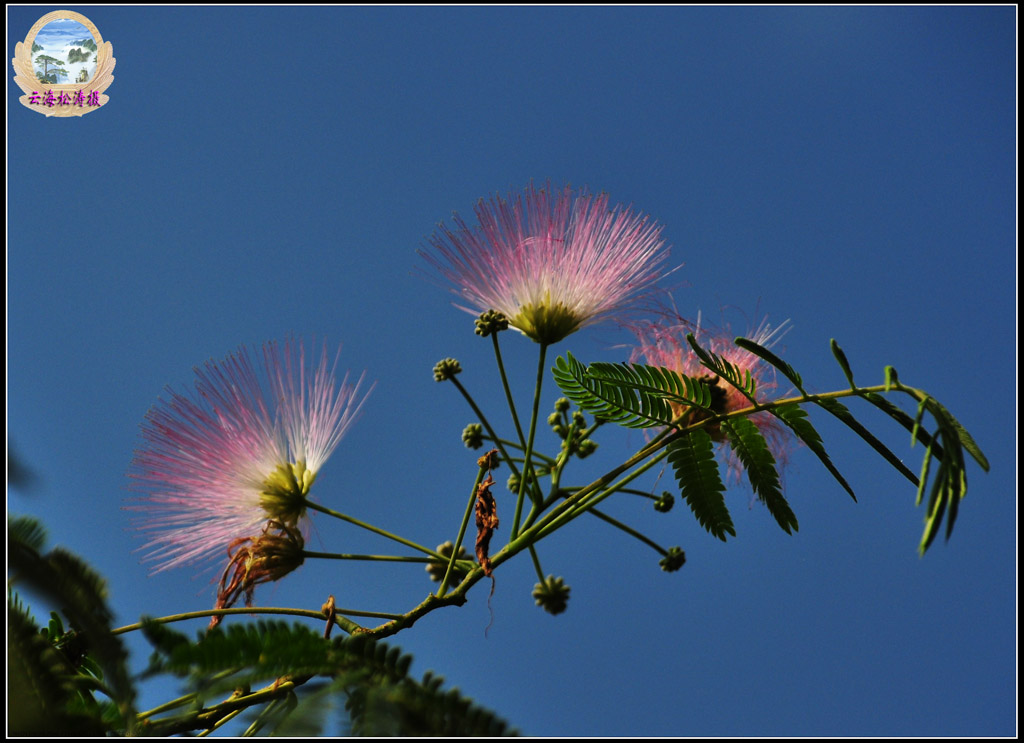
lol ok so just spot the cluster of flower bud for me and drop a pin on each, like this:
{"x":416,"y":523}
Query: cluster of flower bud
{"x":489,"y":322}
{"x":446,"y":369}
{"x":571,"y":429}
{"x":664,"y":503}
{"x":473,"y":436}
{"x":436,"y":569}
{"x":552,"y":595}
{"x":674,"y":560}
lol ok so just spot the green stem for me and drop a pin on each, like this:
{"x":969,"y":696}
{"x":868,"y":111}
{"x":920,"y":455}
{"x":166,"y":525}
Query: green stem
{"x":222,"y":721}
{"x":592,"y":500}
{"x":252,"y":610}
{"x":369,"y":527}
{"x":536,"y":563}
{"x":372,"y":558}
{"x":543,"y":504}
{"x":462,"y":530}
{"x":513,"y":445}
{"x":527,"y":467}
{"x":590,"y":495}
{"x":629,"y":530}
{"x":485,"y":423}
{"x":508,"y":391}
{"x":209,"y":718}
{"x":166,"y":706}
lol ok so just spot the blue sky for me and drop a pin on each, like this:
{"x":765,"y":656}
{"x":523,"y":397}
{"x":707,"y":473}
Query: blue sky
{"x":265,"y":171}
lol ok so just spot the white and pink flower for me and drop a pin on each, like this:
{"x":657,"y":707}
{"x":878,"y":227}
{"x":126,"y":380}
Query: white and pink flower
{"x":239,"y":452}
{"x":551,"y":262}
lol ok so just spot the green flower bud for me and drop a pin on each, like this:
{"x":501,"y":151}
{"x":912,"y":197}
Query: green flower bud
{"x":552,"y":595}
{"x":559,"y":430}
{"x":578,"y":419}
{"x":665,"y":502}
{"x":473,"y":436}
{"x":489,"y":322}
{"x":446,"y":369}
{"x":513,"y":483}
{"x":562,"y":404}
{"x":554,"y":419}
{"x":585,"y":448}
{"x":436,"y":569}
{"x":674,"y":560}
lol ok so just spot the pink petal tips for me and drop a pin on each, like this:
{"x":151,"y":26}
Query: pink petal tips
{"x":551,"y":262}
{"x":237,"y":456}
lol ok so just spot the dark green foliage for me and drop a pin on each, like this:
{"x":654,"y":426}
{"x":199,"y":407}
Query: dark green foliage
{"x":945,"y":446}
{"x":950,"y":483}
{"x":41,"y":685}
{"x":632,"y":395}
{"x":841,"y":412}
{"x":692,"y":457}
{"x":739,"y":378}
{"x":25,"y":535}
{"x":72,"y":584}
{"x":960,"y":434}
{"x":642,"y":396}
{"x":844,"y":364}
{"x":759,"y":464}
{"x":88,"y":43}
{"x":796,"y":418}
{"x":265,"y":649}
{"x":758,"y":350}
{"x":372,"y":678}
{"x":388,"y":702}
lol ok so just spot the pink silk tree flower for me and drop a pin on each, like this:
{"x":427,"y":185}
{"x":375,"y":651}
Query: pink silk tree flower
{"x":551,"y":262}
{"x":226,"y":468}
{"x":667,"y":347}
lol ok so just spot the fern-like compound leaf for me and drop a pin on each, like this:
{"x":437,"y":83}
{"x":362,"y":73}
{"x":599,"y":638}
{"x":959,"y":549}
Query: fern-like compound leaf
{"x":757,"y":460}
{"x":692,"y":457}
{"x":632,"y":395}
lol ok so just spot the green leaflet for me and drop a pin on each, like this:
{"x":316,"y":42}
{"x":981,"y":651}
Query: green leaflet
{"x":692,"y":457}
{"x":759,"y":464}
{"x":739,"y":378}
{"x":796,"y":418}
{"x":966,"y":441}
{"x":950,"y":482}
{"x":844,"y":364}
{"x":632,"y":395}
{"x":841,"y":412}
{"x":903,"y":419}
{"x":946,"y":447}
{"x":758,"y":350}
